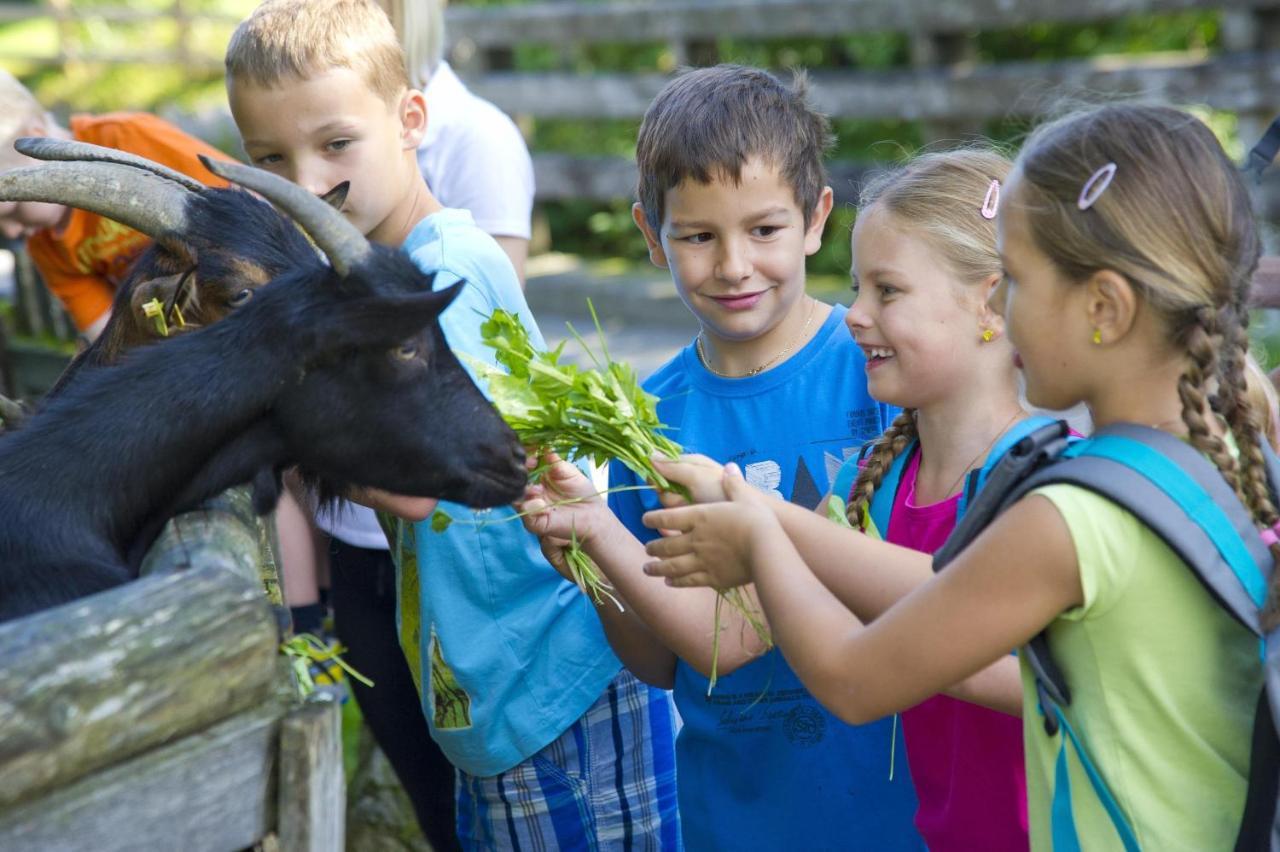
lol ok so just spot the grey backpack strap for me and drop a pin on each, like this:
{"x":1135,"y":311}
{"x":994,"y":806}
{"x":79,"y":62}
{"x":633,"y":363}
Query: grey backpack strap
{"x":1176,"y":514}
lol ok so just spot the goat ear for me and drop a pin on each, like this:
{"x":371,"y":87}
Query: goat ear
{"x":388,"y":320}
{"x":337,"y":196}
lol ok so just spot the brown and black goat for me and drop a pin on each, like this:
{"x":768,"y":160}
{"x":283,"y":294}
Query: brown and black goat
{"x":210,"y":251}
{"x":341,"y":369}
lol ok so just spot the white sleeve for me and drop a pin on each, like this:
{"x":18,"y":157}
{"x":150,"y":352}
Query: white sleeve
{"x":483,"y":166}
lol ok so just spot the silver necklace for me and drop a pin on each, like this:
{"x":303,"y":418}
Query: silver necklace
{"x":755,"y":371}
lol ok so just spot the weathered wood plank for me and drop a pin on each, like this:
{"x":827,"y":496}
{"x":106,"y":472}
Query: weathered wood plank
{"x":1235,"y":82}
{"x":224,"y":531}
{"x":312,"y":804}
{"x":564,"y":176}
{"x":692,"y":20}
{"x":102,"y":679}
{"x":214,"y":790}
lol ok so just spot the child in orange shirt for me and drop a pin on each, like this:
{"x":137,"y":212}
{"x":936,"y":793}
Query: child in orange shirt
{"x":82,"y":256}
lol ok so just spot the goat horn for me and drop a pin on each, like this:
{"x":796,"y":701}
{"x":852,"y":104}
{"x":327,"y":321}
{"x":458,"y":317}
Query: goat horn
{"x":139,"y":200}
{"x":48,"y":148}
{"x":340,"y":241}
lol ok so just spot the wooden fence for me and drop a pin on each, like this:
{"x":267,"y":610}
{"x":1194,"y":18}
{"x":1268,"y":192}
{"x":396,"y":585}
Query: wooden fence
{"x":948,"y":88}
{"x":160,"y":715}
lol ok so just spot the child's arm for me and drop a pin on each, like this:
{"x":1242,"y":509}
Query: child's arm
{"x":866,"y":574}
{"x":659,"y":623}
{"x":408,"y":508}
{"x":1012,"y":581}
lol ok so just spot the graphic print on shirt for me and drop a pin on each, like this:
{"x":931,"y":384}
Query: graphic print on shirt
{"x":765,"y":475}
{"x":407,"y":599}
{"x":450,"y":701}
{"x":791,"y":709}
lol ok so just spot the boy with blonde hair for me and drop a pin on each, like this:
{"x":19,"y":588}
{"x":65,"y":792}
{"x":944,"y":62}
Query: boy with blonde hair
{"x":555,"y":745}
{"x":84,"y":257}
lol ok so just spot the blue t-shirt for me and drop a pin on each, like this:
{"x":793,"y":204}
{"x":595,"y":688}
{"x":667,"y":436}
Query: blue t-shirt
{"x":507,"y":653}
{"x":761,"y":764}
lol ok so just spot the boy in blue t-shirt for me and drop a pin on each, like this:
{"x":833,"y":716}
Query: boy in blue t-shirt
{"x":732,"y":201}
{"x":555,"y":745}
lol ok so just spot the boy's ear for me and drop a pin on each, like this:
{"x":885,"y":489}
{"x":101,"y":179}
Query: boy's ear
{"x":818,"y":221}
{"x":413,"y":118}
{"x":656,"y":254}
{"x":1111,"y":304}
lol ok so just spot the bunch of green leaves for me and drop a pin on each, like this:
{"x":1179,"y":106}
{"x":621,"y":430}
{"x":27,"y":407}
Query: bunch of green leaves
{"x":306,"y":648}
{"x":600,"y":413}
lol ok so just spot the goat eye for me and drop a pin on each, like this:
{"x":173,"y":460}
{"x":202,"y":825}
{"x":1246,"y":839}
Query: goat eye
{"x":240,"y":298}
{"x":406,"y":352}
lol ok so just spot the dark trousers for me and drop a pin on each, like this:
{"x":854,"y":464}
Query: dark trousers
{"x":363,"y":593}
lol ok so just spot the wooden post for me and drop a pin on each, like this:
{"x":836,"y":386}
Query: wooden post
{"x":312,"y":803}
{"x":182,"y":38}
{"x":938,"y":51}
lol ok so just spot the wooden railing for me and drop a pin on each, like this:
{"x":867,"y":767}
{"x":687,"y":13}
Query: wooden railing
{"x":947,"y":86}
{"x":161,"y":714}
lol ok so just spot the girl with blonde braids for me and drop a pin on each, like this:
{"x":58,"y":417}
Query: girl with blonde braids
{"x":1128,"y":243}
{"x":924,"y":266}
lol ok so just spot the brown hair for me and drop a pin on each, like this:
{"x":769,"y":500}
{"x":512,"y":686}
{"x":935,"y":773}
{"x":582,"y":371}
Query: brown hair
{"x":1177,"y":223}
{"x":304,"y":38}
{"x":707,"y":123}
{"x":940,"y":197}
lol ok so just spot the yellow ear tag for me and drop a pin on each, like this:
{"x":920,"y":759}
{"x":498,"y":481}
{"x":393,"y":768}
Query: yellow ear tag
{"x":155,"y":310}
{"x":177,"y":315}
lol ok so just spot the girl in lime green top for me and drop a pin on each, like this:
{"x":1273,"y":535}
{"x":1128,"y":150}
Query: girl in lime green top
{"x":1128,"y":245}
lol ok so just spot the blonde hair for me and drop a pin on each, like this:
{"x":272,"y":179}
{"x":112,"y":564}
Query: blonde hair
{"x":940,"y":198}
{"x":420,"y":26}
{"x":305,"y":38}
{"x":1177,"y":223}
{"x":18,"y":109}
{"x":1263,"y":400}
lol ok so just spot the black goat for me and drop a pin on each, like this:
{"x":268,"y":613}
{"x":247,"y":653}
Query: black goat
{"x":342,"y":370}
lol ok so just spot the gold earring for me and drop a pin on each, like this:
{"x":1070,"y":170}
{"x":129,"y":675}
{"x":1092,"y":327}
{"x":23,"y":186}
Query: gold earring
{"x":988,"y":336}
{"x":1097,"y":336}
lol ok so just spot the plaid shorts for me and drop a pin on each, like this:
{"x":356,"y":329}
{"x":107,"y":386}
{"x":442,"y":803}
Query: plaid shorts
{"x":608,"y":782}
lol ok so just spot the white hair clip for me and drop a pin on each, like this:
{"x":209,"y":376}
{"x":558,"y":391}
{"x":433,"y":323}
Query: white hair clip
{"x":992,"y":202}
{"x":1095,"y":186}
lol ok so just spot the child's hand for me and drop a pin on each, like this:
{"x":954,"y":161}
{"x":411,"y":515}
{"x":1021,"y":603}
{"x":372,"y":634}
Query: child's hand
{"x":548,"y":516}
{"x":701,"y":475}
{"x":711,"y":544}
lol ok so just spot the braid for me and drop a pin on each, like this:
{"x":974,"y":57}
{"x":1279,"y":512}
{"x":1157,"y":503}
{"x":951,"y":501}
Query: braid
{"x":1191,"y":390}
{"x":889,"y":446}
{"x":1246,"y":429}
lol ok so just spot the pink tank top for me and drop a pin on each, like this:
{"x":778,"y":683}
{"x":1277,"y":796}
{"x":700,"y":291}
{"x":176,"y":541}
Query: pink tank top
{"x":966,"y":760}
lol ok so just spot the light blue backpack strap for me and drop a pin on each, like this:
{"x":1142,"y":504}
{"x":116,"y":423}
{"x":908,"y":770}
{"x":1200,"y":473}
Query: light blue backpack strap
{"x":881,"y":508}
{"x":842,"y":482}
{"x":1015,"y":433}
{"x":882,"y":500}
{"x":1183,"y":498}
{"x":1063,"y":824}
